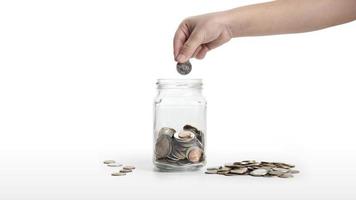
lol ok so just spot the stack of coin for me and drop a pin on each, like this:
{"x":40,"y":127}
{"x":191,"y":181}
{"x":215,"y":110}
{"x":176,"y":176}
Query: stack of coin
{"x":253,"y":168}
{"x":179,"y":148}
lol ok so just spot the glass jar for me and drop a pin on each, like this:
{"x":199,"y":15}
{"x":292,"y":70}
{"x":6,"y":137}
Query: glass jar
{"x":179,"y":125}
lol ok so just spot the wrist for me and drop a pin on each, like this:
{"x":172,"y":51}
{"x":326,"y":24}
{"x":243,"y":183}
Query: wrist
{"x":233,"y":21}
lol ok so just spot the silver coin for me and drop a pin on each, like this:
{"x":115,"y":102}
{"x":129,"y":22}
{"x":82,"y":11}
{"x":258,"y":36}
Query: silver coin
{"x":229,"y":165}
{"x":118,"y":174}
{"x":294,"y":171}
{"x":253,"y":168}
{"x":188,"y":136}
{"x":239,"y":171}
{"x":163,"y":146}
{"x":275,"y":173}
{"x":184,"y":68}
{"x":231,"y":174}
{"x":286,"y":175}
{"x":125,"y":170}
{"x":198,"y":133}
{"x":212,"y":168}
{"x":224,"y":169}
{"x":259,"y":172}
{"x":109,"y":161}
{"x":281,"y":169}
{"x":114,"y":165}
{"x":128,"y":167}
{"x":166,"y":131}
{"x":211,"y":172}
{"x":223,"y":172}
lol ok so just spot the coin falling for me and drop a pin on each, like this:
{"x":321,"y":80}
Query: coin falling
{"x":184,"y":68}
{"x":253,"y":168}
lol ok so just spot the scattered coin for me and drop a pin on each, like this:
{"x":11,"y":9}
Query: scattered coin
{"x":239,"y":171}
{"x":109,"y":161}
{"x":223,"y":172}
{"x":212,"y":168}
{"x":275,"y":173}
{"x":224,"y":169}
{"x":253,"y":168}
{"x":128,"y":167}
{"x":114,"y":165}
{"x":259,"y":172}
{"x":286,"y":175}
{"x":118,"y":174}
{"x":283,"y":170}
{"x":211,"y":172}
{"x":184,"y":68}
{"x":125,"y":170}
{"x":231,"y":174}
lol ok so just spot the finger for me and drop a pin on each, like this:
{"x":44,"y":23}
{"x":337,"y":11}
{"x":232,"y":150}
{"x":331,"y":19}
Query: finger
{"x":179,"y":39}
{"x":222,"y":39}
{"x":190,"y":46}
{"x":203,"y":51}
{"x":197,"y":51}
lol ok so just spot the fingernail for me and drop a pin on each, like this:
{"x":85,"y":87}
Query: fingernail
{"x":181,"y":58}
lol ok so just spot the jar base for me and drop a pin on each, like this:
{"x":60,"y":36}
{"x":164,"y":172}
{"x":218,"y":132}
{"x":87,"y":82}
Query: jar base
{"x":168,"y":167}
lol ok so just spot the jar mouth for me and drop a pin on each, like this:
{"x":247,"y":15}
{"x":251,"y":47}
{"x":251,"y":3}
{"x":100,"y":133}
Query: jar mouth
{"x":179,"y":83}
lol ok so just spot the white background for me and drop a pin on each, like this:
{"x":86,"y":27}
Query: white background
{"x":77,"y":82}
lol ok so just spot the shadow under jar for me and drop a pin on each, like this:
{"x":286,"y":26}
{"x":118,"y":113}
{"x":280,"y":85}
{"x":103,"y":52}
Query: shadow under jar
{"x":179,"y":125}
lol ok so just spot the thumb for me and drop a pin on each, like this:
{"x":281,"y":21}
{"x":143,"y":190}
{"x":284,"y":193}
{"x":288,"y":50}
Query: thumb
{"x":190,"y":46}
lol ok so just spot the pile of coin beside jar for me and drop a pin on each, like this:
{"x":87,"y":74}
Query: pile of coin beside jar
{"x":179,"y":148}
{"x":253,"y":168}
{"x":123,"y":169}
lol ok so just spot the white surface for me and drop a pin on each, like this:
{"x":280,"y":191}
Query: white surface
{"x":77,"y":82}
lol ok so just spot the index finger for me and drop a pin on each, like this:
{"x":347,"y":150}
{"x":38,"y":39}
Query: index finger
{"x":180,"y":37}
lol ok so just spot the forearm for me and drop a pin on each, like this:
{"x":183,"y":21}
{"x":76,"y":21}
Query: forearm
{"x":289,"y":16}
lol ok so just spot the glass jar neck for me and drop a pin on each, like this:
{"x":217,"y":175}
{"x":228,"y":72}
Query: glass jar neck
{"x":179,"y":87}
{"x":179,"y":84}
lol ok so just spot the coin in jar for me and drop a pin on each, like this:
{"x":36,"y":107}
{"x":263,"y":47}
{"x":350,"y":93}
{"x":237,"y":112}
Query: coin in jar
{"x":163,"y":146}
{"x":194,"y":154}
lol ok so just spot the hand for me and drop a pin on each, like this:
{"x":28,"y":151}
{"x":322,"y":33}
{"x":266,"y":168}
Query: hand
{"x":199,"y":34}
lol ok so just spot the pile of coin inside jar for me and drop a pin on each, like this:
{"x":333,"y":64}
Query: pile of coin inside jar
{"x":253,"y":168}
{"x":179,"y":148}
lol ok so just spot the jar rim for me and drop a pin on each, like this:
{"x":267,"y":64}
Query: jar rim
{"x":179,"y":83}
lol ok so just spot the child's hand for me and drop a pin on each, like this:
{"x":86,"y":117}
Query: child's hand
{"x":199,"y":34}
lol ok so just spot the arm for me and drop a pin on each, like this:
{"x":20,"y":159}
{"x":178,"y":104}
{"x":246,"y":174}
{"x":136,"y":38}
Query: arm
{"x":289,"y":16}
{"x":198,"y":35}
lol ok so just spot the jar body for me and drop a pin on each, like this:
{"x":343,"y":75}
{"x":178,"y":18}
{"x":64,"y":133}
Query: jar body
{"x":179,"y":125}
